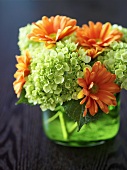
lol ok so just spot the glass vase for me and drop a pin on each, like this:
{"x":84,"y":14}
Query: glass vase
{"x":59,"y":128}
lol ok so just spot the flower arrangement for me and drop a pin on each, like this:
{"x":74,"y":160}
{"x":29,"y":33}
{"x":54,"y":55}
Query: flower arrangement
{"x":72,"y":69}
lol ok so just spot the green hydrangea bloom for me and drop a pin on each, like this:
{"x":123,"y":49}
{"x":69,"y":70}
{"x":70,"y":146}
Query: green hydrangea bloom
{"x":24,"y":43}
{"x":54,"y":72}
{"x":115,"y":60}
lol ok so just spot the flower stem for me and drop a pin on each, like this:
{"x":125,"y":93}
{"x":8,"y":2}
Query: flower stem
{"x":73,"y":128}
{"x":63,"y":125}
{"x":52,"y":118}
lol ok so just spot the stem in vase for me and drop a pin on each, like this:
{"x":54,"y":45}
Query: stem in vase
{"x":72,"y":128}
{"x":63,"y":125}
{"x":52,"y":118}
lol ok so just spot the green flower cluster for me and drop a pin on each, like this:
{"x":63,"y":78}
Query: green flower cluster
{"x":115,"y":60}
{"x":24,"y":43}
{"x":54,"y":72}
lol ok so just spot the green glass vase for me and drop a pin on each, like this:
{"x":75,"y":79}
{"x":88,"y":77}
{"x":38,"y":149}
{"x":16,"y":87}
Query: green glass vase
{"x":62,"y":130}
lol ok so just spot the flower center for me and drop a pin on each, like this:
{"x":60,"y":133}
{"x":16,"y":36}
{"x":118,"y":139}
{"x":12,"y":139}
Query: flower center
{"x":98,"y":40}
{"x":93,"y":88}
{"x":53,"y":36}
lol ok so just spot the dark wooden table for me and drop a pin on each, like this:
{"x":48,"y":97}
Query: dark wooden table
{"x":23,"y":145}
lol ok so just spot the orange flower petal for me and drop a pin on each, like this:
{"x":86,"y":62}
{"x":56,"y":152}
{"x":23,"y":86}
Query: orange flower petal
{"x":94,"y":96}
{"x":96,"y":66}
{"x":89,"y":103}
{"x":105,"y":109}
{"x":105,"y":31}
{"x":83,"y":100}
{"x":85,"y":112}
{"x":92,"y":77}
{"x":87,"y":75}
{"x":94,"y":108}
{"x":100,"y":103}
{"x":110,"y":87}
{"x":106,"y":94}
{"x":86,"y":92}
{"x":18,"y":84}
{"x":81,"y":82}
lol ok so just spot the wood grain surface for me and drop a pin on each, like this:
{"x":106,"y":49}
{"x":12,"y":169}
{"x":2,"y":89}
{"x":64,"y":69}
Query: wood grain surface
{"x":23,"y":144}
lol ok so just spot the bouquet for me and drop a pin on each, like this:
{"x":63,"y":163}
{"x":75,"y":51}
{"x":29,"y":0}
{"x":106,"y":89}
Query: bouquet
{"x":72,"y":69}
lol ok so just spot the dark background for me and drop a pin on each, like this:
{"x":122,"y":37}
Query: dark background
{"x":23,"y":145}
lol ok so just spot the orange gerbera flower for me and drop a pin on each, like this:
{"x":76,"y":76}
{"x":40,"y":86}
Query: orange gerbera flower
{"x":98,"y":88}
{"x":52,"y":29}
{"x":93,"y":52}
{"x":22,"y":72}
{"x":97,"y":35}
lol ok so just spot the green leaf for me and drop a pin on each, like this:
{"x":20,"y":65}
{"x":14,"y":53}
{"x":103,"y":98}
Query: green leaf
{"x":75,"y":111}
{"x":22,"y":98}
